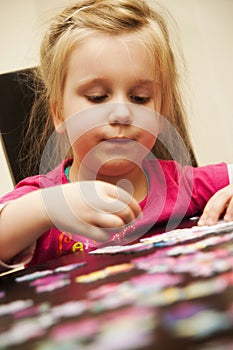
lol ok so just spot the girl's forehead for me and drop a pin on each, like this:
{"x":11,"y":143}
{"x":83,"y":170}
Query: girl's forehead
{"x":102,"y":47}
{"x":101,"y":40}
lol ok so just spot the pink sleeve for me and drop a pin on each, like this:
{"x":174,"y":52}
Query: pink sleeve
{"x":207,"y":180}
{"x":25,"y":186}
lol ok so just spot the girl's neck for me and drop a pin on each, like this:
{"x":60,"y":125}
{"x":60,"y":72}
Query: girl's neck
{"x":135,"y":181}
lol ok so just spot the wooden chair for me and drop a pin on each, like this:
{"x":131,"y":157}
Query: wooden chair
{"x":16,"y":99}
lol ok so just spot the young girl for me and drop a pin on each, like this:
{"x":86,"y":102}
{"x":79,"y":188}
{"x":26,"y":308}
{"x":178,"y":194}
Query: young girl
{"x":111,"y":90}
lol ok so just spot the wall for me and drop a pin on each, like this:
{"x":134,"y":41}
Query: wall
{"x":206,"y":29}
{"x":21,"y":27}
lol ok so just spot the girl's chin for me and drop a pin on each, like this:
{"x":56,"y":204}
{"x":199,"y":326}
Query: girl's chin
{"x":118,"y":167}
{"x":111,"y":168}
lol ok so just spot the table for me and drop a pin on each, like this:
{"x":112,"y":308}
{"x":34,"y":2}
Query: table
{"x":174,"y":293}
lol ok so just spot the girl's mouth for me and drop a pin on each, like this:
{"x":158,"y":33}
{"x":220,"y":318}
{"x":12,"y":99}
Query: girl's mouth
{"x":122,"y":143}
{"x":118,"y":140}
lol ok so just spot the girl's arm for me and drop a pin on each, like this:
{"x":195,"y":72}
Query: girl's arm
{"x":86,"y":207}
{"x":22,"y":222}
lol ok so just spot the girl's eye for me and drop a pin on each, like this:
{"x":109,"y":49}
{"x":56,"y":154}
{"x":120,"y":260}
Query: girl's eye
{"x":140,"y":99}
{"x":97,"y":98}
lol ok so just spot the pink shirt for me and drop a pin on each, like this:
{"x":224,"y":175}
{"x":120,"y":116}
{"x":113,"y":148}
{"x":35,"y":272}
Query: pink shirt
{"x":174,"y":192}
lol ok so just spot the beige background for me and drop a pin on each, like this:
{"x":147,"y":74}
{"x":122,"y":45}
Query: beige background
{"x":206,"y":30}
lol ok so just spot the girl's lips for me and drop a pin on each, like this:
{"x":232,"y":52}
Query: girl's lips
{"x":119,"y":143}
{"x":118,"y":140}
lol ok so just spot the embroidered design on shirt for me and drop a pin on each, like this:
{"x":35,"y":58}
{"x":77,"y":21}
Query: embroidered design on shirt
{"x":65,"y":245}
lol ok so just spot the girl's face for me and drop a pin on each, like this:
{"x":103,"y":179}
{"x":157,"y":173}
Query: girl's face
{"x":109,"y":104}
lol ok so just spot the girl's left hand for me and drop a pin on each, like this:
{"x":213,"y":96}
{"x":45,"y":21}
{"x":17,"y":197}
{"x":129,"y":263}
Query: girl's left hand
{"x":220,"y":202}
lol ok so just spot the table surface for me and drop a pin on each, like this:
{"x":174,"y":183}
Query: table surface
{"x":174,"y":295}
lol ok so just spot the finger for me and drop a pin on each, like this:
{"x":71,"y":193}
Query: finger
{"x":126,"y":214}
{"x":121,"y":210}
{"x":117,"y":214}
{"x":104,"y":197}
{"x":216,"y":206}
{"x":211,"y":213}
{"x":229,"y":212}
{"x":126,"y":198}
{"x":135,"y":207}
{"x":108,"y":220}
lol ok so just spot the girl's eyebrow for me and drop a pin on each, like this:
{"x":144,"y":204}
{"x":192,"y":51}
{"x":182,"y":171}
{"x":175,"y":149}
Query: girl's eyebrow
{"x":91,"y":81}
{"x":144,"y":82}
{"x":98,"y":80}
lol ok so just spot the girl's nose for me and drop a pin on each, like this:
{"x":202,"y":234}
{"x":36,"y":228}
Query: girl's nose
{"x":120,"y":114}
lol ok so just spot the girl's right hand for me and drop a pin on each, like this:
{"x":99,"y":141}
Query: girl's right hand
{"x":89,"y":208}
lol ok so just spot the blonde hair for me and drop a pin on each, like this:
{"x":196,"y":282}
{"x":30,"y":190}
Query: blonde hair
{"x":111,"y":17}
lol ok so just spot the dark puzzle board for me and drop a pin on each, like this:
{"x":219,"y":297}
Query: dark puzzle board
{"x":167,"y":291}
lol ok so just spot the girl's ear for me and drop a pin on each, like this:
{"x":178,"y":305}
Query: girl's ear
{"x":57,"y":119}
